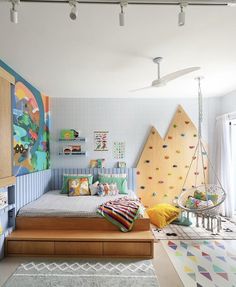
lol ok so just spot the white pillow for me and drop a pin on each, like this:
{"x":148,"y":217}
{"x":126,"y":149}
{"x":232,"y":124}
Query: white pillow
{"x":117,"y":175}
{"x":93,"y":188}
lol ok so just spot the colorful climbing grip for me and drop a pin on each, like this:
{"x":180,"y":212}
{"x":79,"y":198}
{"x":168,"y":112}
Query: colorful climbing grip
{"x":142,"y":187}
{"x":150,"y":147}
{"x":149,"y":177}
{"x":170,"y":137}
{"x":194,"y":135}
{"x":180,"y":178}
{"x":157,"y":168}
{"x":174,"y":126}
{"x":178,"y":151}
{"x":153,"y":133}
{"x":171,"y":187}
{"x":194,"y":157}
{"x":187,"y":122}
{"x":165,"y":146}
{"x":160,"y":181}
{"x":138,"y":172}
{"x":169,"y":174}
{"x":175,"y":165}
{"x":182,"y":135}
{"x":196,"y":173}
{"x":147,"y":161}
{"x":191,"y":146}
{"x":167,"y":157}
{"x":154,"y":194}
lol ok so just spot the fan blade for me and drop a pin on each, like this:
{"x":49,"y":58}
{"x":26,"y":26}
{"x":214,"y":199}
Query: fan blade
{"x":177,"y":74}
{"x":145,"y":88}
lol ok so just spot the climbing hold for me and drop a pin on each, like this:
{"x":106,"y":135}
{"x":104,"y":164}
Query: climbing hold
{"x":175,"y":165}
{"x":157,"y":168}
{"x":182,"y":135}
{"x":138,"y":172}
{"x":154,"y":194}
{"x":165,"y":195}
{"x":196,"y":173}
{"x":194,"y":157}
{"x":183,"y":189}
{"x":171,"y":187}
{"x":194,"y":135}
{"x":165,"y":146}
{"x":204,"y":153}
{"x":142,"y":187}
{"x":178,"y":151}
{"x":205,"y":167}
{"x":179,"y":111}
{"x":150,"y":147}
{"x":174,"y":126}
{"x":167,"y":157}
{"x":169,"y":174}
{"x":191,"y":146}
{"x":153,"y":133}
{"x":170,"y":137}
{"x":186,"y":166}
{"x":160,"y":181}
{"x":147,"y":161}
{"x":180,"y":178}
{"x":187,"y":122}
{"x":149,"y":177}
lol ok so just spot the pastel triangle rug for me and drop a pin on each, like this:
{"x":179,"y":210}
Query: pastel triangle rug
{"x":84,"y":273}
{"x":193,"y":268}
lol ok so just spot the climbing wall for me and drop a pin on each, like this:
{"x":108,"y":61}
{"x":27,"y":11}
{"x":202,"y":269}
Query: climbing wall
{"x":164,"y":163}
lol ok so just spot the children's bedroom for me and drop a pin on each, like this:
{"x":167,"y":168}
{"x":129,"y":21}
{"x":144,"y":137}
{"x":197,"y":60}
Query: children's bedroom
{"x":118,"y":143}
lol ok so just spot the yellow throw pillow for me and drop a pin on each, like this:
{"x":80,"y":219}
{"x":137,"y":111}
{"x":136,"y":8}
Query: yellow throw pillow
{"x":162,"y":214}
{"x":79,"y":186}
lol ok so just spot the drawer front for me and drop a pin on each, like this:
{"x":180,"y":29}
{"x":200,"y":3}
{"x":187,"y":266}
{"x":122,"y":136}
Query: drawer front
{"x":30,"y":247}
{"x":78,"y":248}
{"x":127,"y":248}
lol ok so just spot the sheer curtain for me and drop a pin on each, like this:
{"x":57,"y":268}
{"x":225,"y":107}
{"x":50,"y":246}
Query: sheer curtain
{"x":224,"y":168}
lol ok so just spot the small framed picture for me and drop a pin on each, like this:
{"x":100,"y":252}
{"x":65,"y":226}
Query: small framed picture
{"x":121,"y":164}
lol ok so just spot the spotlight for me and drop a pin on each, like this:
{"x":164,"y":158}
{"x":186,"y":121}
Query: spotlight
{"x":14,"y":12}
{"x":122,"y":14}
{"x":74,"y":10}
{"x":181,"y":18}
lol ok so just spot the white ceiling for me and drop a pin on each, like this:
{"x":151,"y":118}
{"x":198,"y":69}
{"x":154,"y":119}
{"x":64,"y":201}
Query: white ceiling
{"x":95,"y":57}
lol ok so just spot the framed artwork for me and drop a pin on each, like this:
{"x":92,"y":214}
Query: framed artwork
{"x":121,"y":164}
{"x":119,"y":150}
{"x":101,"y":141}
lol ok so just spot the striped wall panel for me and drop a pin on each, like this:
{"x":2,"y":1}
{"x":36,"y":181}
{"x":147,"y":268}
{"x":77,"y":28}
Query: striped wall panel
{"x":31,"y":186}
{"x":57,"y":175}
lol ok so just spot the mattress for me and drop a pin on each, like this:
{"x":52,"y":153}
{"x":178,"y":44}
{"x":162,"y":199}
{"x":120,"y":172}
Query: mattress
{"x":53,"y":203}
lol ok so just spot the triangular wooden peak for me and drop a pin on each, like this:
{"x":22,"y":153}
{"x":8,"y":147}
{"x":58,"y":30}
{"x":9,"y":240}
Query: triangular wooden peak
{"x":164,"y":163}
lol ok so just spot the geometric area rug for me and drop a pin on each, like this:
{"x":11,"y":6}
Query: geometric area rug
{"x":173,"y":231}
{"x":203,"y":263}
{"x":84,"y":273}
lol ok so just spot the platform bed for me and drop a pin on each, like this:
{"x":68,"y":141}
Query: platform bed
{"x":73,"y":236}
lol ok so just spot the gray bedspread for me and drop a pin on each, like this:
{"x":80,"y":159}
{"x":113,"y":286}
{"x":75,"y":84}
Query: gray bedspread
{"x":53,"y":203}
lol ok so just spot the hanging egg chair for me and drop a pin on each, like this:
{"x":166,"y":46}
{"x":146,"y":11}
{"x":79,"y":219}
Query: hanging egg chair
{"x":201,"y":197}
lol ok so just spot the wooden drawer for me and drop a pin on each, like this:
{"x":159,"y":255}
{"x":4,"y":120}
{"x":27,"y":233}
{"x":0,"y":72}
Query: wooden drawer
{"x":78,"y":248}
{"x":30,"y":247}
{"x":127,"y":249}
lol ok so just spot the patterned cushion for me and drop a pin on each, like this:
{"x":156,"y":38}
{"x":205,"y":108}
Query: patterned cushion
{"x":66,"y":177}
{"x":79,"y":186}
{"x":120,"y":182}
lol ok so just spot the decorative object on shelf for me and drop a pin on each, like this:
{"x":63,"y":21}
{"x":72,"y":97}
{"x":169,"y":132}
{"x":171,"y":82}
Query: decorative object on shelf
{"x":164,"y":162}
{"x":207,"y":197}
{"x":3,"y":198}
{"x":99,"y":163}
{"x":121,"y":164}
{"x":72,"y":149}
{"x":119,"y":150}
{"x":101,"y":141}
{"x":69,"y":134}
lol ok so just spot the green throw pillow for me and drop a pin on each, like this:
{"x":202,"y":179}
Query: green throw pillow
{"x":65,"y":185}
{"x":120,"y":182}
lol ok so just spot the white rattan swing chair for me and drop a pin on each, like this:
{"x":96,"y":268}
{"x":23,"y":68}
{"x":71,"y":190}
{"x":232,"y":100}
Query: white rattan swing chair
{"x":214,"y":194}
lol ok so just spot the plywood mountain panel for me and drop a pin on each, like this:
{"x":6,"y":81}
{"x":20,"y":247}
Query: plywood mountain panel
{"x":164,"y":163}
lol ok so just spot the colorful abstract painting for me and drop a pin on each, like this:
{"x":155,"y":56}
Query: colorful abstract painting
{"x":31,"y":118}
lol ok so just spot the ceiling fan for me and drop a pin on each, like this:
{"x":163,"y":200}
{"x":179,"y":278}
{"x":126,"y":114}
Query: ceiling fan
{"x":162,"y":81}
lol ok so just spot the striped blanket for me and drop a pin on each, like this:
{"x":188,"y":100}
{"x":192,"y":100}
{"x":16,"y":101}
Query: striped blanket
{"x":122,"y":212}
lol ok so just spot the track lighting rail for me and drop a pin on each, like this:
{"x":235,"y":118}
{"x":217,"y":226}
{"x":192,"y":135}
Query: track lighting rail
{"x":140,"y":2}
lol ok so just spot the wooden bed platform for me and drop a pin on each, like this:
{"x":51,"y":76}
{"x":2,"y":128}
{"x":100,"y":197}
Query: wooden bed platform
{"x":79,"y":237}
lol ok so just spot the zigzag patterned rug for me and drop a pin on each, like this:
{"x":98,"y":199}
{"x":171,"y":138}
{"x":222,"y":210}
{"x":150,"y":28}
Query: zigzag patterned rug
{"x":203,"y":263}
{"x":84,"y":273}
